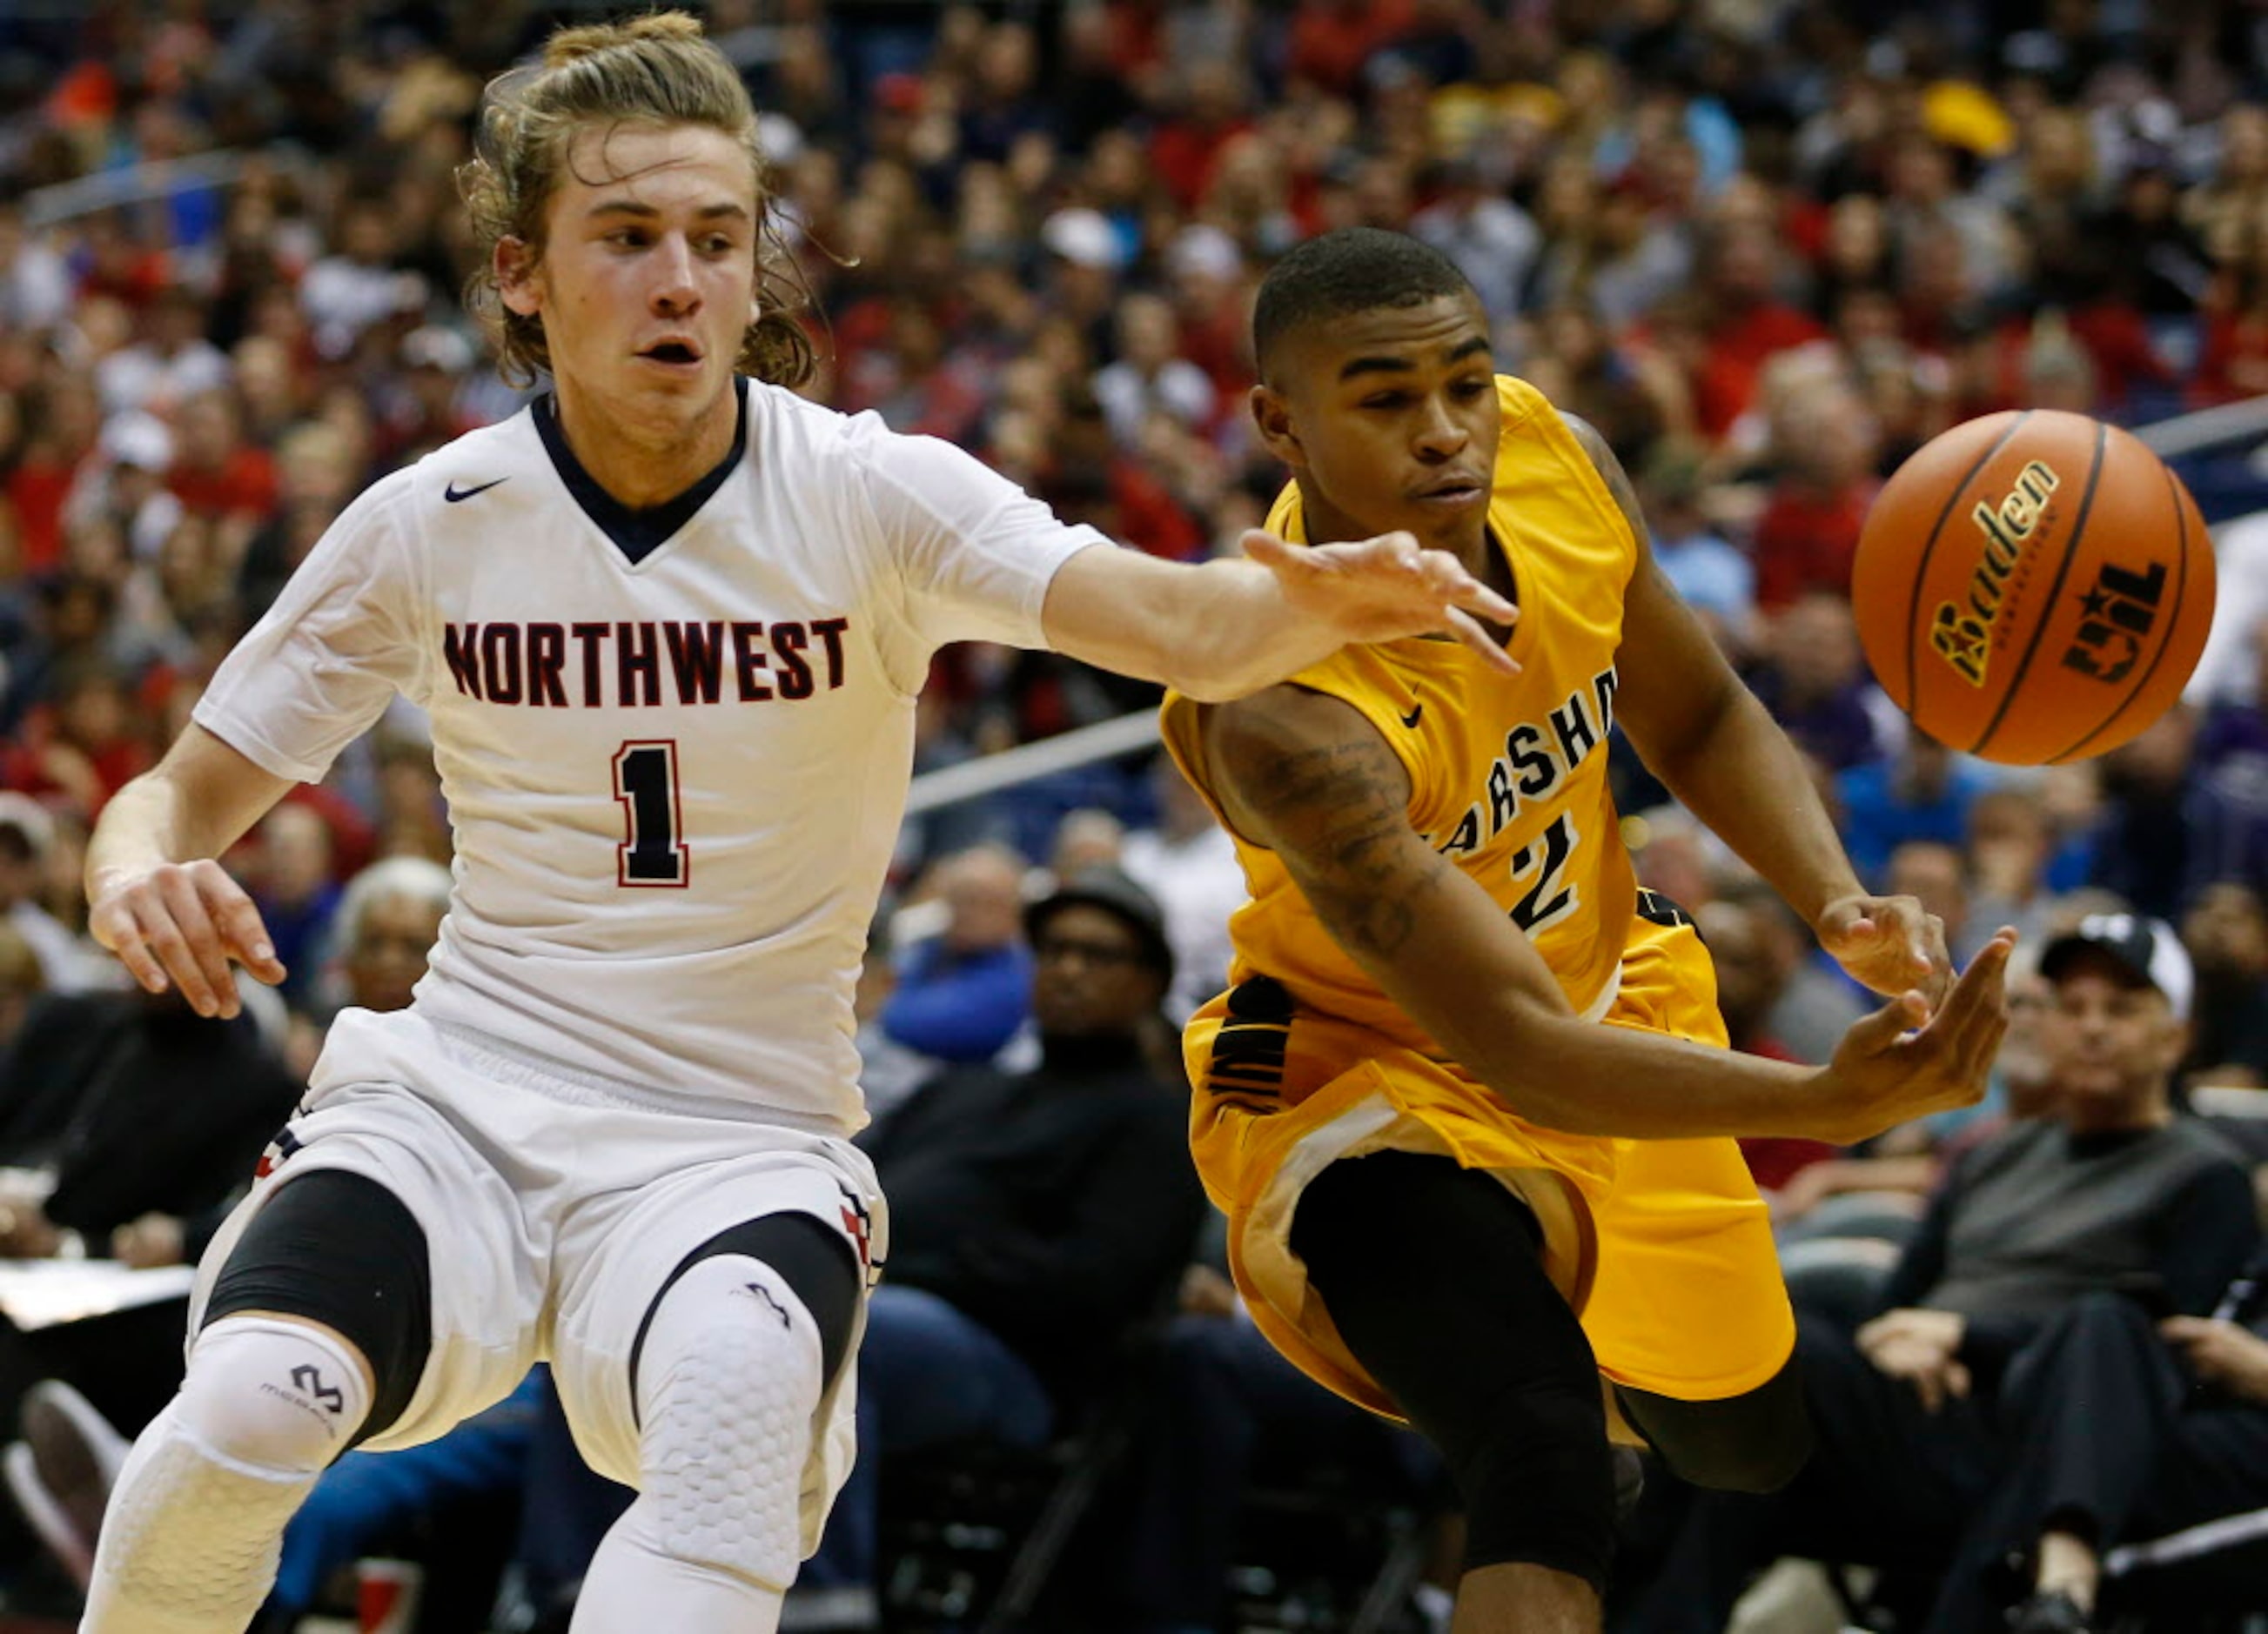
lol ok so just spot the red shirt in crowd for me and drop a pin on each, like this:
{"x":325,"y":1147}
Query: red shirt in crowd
{"x":1736,"y":351}
{"x":244,"y":484}
{"x":1185,"y":154}
{"x":1805,"y":540}
{"x":2114,"y":336}
{"x":1150,"y":518}
{"x":36,"y":491}
{"x":35,"y":764}
{"x":2117,"y":337}
{"x":2233,"y":360}
{"x":1331,"y":40}
{"x":1216,"y":344}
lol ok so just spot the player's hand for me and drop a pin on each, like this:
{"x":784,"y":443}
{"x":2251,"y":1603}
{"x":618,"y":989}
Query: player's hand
{"x":2221,"y":1353}
{"x":180,"y":923}
{"x":1921,"y":1347}
{"x":1889,"y":943}
{"x":1904,"y":1061}
{"x":1387,"y":587}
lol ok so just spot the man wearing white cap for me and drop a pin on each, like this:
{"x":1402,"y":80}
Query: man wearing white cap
{"x":2135,"y":1423}
{"x":2115,"y":1200}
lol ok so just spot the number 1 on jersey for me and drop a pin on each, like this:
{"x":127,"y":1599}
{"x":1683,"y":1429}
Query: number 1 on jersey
{"x":645,"y":782}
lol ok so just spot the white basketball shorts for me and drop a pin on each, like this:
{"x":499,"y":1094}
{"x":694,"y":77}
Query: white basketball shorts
{"x":554,"y":1211}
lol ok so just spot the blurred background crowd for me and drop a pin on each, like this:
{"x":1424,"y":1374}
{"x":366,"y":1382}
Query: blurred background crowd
{"x":1768,"y":247}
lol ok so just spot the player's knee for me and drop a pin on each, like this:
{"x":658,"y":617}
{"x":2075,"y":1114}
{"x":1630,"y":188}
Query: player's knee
{"x":729,"y":1334}
{"x":729,"y":1382}
{"x":1757,"y":1452}
{"x":1756,"y":1442}
{"x":1537,"y":1478}
{"x":273,"y":1395}
{"x":1757,"y":1465}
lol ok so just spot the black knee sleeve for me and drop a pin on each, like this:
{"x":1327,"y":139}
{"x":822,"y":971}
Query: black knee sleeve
{"x":1537,"y":1477}
{"x":817,"y":1265}
{"x":1431,"y":1275}
{"x":1756,"y":1442}
{"x":339,"y":1249}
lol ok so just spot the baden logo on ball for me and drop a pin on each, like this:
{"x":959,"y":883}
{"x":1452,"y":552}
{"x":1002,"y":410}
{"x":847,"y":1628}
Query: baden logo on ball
{"x":1965,"y":639}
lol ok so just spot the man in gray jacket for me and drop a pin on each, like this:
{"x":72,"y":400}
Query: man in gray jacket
{"x":2116,"y":1198}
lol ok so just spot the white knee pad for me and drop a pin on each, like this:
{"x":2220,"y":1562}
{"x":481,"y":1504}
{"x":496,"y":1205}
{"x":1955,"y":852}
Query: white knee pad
{"x":276,"y":1395}
{"x":190,"y":1542}
{"x":729,"y":1382}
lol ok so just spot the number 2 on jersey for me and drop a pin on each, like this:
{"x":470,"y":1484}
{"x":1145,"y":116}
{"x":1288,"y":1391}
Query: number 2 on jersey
{"x":1547,"y":900}
{"x":645,"y":782}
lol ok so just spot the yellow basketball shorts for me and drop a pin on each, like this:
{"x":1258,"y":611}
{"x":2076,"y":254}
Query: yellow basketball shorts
{"x":1663,"y":1248}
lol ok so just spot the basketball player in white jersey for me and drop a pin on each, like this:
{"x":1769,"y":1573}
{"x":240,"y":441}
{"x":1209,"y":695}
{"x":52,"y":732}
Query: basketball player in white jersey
{"x":669,"y":623}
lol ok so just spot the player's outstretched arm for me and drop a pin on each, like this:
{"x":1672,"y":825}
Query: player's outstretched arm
{"x":155,"y":896}
{"x":1720,"y":752}
{"x":1309,"y":777}
{"x":1223,"y":629}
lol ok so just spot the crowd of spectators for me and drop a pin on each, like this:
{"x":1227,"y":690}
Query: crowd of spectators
{"x":1768,"y":247}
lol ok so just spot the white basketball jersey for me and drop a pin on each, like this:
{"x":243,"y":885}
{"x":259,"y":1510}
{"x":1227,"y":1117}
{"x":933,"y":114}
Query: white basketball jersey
{"x":675,"y":743}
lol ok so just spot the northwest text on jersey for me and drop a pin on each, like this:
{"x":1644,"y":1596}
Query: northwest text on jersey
{"x":631,"y":663}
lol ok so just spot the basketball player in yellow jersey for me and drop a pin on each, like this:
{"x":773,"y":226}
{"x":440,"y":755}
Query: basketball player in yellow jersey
{"x":1454,"y":1197}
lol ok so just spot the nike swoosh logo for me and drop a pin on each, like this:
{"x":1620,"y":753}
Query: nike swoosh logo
{"x":457,"y":495}
{"x":1410,"y":719}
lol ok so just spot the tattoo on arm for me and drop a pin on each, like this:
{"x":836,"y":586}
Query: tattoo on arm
{"x":1332,"y":812}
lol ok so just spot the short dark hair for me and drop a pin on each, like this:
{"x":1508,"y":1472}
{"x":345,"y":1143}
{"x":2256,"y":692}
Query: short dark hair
{"x":1354,"y":269}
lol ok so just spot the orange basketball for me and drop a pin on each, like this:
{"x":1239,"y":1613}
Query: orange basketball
{"x":2033,"y":587}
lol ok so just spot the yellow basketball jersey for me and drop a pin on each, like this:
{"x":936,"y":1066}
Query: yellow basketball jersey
{"x":1508,"y":774}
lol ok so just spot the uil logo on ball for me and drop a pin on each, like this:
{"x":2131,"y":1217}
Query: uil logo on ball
{"x":2119,"y":611}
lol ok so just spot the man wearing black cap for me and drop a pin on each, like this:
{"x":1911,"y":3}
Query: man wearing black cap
{"x":1034,"y":1217}
{"x":2115,"y":1200}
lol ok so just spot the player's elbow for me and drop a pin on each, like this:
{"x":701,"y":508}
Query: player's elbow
{"x":1202,"y":665}
{"x":1217,"y":684}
